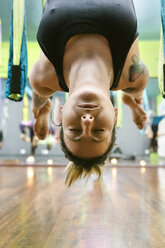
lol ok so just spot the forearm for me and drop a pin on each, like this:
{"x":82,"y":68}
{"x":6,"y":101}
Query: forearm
{"x":128,"y":99}
{"x":38,"y":102}
{"x":41,"y":89}
{"x":137,"y":92}
{"x":137,"y":96}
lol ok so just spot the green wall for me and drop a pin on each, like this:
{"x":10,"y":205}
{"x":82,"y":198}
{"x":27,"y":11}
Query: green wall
{"x":33,"y":15}
{"x":148,"y":15}
{"x":149,"y":51}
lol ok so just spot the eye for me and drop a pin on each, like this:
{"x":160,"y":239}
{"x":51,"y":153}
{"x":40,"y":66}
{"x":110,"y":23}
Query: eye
{"x":74,"y":130}
{"x":99,"y":130}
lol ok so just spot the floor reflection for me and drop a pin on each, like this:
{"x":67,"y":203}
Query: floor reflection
{"x":125,"y":208}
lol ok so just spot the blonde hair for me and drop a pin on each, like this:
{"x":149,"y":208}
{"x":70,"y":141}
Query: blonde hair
{"x":75,"y":172}
{"x":80,"y":167}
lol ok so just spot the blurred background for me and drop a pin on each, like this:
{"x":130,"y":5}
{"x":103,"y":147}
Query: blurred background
{"x":131,"y":143}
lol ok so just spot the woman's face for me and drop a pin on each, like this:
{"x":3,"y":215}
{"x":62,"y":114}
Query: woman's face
{"x":88,"y":119}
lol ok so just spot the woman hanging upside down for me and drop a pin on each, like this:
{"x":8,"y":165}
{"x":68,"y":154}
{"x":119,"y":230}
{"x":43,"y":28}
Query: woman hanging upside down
{"x":88,"y":48}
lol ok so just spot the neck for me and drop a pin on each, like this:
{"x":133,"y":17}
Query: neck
{"x":90,"y":71}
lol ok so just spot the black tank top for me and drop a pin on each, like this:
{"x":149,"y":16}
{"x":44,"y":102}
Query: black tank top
{"x":62,"y":19}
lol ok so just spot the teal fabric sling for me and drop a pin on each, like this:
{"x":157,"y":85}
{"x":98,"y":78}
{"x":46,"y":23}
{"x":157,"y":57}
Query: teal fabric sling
{"x":17,"y":65}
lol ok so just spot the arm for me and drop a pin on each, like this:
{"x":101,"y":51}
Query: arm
{"x":138,"y":74}
{"x":133,"y":98}
{"x":134,"y":76}
{"x":44,"y":82}
{"x":39,"y":104}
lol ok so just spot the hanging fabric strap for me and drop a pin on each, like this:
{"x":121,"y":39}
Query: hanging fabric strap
{"x":120,"y":109}
{"x":0,"y":44}
{"x":43,"y":3}
{"x":117,"y":99}
{"x":161,"y":72}
{"x":25,"y":110}
{"x":17,"y":66}
{"x":161,"y":64}
{"x":163,"y":21}
{"x":0,"y":75}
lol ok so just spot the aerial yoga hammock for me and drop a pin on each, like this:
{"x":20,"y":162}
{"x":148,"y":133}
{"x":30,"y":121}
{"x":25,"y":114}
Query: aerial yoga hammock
{"x":43,"y":3}
{"x":0,"y":75}
{"x":17,"y":66}
{"x":161,"y":72}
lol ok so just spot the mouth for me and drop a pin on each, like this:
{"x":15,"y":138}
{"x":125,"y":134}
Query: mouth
{"x":88,"y":105}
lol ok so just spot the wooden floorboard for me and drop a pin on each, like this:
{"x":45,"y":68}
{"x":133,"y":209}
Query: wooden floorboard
{"x":125,"y":209}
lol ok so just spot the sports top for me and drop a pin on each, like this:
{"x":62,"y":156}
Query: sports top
{"x":61,"y":20}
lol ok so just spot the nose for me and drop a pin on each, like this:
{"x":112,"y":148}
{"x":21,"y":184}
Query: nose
{"x":87,"y":122}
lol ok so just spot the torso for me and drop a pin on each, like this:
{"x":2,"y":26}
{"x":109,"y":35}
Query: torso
{"x":87,"y":45}
{"x":82,"y":45}
{"x":64,"y":27}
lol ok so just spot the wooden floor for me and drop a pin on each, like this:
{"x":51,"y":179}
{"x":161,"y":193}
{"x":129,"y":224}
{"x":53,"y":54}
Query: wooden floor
{"x":124,"y":209}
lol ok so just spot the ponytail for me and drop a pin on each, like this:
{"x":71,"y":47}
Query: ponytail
{"x":75,"y":172}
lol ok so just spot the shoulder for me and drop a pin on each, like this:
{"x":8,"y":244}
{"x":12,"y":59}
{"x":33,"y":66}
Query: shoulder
{"x":134,"y":76}
{"x":44,"y":75}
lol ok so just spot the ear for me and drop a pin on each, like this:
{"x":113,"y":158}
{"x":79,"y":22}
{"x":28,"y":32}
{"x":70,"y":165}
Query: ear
{"x":60,"y":112}
{"x":116,"y":115}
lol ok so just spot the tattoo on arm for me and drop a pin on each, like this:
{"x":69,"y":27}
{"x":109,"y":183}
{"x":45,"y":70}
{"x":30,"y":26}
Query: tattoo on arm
{"x":136,"y":69}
